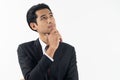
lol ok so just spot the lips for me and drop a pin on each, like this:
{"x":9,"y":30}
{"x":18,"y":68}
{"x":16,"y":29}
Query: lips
{"x":50,"y":26}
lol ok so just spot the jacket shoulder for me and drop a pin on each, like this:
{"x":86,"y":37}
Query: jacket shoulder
{"x":27,"y":44}
{"x":66,"y":45}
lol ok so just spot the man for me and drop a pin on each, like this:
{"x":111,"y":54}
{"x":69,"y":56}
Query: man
{"x":57,"y":61}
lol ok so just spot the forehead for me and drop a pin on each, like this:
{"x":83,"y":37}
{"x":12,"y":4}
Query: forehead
{"x":42,"y":12}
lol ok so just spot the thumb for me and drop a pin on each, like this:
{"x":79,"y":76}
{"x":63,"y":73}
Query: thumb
{"x":46,"y":35}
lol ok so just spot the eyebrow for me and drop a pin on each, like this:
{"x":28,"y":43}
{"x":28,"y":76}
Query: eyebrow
{"x":45,"y":14}
{"x":42,"y":15}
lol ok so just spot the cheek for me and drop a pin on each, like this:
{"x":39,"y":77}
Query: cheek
{"x":42,"y":28}
{"x":54,"y":23}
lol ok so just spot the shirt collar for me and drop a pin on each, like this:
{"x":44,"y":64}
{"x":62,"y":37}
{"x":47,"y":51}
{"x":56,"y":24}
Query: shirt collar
{"x":42,"y":44}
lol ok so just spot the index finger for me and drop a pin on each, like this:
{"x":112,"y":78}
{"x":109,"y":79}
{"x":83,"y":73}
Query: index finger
{"x":54,"y":30}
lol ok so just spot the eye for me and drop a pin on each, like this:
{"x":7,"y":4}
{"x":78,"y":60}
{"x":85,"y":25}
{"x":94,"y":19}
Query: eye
{"x":43,"y":18}
{"x":51,"y":15}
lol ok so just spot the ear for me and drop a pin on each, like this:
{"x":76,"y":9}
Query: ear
{"x":33,"y":26}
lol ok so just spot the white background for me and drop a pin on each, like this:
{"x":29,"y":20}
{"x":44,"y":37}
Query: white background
{"x":91,"y":26}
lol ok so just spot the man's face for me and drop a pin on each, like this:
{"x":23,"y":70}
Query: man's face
{"x":45,"y":21}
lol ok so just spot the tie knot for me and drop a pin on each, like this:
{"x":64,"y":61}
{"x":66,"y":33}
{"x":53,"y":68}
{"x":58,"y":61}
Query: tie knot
{"x":46,"y":47}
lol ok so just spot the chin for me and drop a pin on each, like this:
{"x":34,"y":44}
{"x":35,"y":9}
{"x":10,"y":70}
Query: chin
{"x":47,"y":33}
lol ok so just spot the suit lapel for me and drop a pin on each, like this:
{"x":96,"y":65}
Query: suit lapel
{"x":38,"y":50}
{"x":57,"y":60}
{"x":58,"y":54}
{"x":57,"y":57}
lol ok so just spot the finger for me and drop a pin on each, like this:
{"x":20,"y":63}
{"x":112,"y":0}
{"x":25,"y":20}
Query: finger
{"x":46,"y":35}
{"x":59,"y":37}
{"x":61,"y":40}
{"x":54,"y":30}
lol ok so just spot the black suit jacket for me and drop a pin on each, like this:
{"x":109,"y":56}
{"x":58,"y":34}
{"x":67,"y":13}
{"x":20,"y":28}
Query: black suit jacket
{"x":36,"y":66}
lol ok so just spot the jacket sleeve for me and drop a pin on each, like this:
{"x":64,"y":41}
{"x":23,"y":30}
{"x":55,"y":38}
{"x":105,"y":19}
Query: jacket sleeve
{"x":29,"y":71}
{"x":72,"y":73}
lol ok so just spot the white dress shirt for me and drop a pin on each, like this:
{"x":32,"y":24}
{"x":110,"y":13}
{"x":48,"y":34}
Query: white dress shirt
{"x":43,"y":49}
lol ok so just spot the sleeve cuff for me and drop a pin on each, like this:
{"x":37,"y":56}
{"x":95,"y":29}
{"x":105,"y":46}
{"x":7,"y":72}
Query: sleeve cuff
{"x":49,"y":57}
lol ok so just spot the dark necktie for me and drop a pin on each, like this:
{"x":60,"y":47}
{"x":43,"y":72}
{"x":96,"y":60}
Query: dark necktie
{"x":48,"y":72}
{"x":47,"y":46}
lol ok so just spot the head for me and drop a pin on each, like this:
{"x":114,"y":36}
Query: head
{"x":40,"y":18}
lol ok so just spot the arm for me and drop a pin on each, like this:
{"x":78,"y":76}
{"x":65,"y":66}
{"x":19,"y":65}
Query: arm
{"x":72,"y":73}
{"x":31,"y":72}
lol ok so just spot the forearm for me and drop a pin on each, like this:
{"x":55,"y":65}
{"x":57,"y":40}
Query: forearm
{"x":31,"y":70}
{"x":40,"y":70}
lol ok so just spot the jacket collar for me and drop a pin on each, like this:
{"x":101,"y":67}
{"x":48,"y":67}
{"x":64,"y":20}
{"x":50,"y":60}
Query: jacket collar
{"x":38,"y":49}
{"x":58,"y":54}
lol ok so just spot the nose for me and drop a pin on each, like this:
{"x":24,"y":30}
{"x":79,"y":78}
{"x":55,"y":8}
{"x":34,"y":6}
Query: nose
{"x":49,"y":20}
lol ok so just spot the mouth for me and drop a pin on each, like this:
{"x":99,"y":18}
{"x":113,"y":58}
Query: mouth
{"x":50,"y":26}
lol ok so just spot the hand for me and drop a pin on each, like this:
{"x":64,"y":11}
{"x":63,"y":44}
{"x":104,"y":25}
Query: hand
{"x":53,"y":40}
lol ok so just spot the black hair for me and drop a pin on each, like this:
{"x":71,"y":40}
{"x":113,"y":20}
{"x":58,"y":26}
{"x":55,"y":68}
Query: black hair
{"x":31,"y":16}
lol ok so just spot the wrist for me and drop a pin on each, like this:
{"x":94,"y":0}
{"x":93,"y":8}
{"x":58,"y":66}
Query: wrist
{"x":50,"y":51}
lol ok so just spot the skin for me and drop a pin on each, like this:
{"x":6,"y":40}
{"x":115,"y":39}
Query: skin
{"x":46,"y":27}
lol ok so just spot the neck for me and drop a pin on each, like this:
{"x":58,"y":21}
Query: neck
{"x":43,"y":37}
